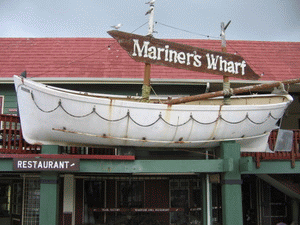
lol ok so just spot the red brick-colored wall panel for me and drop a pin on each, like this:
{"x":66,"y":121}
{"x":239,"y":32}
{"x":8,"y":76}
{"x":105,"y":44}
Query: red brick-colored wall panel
{"x":104,"y":58}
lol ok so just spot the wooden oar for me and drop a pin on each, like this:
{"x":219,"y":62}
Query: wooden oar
{"x":233,"y":91}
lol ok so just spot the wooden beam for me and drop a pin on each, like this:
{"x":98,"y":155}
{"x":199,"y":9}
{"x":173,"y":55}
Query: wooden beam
{"x":233,"y":91}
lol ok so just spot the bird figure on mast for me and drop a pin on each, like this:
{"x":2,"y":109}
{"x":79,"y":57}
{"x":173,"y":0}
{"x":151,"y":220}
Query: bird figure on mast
{"x":117,"y":26}
{"x":149,"y":11}
{"x":151,"y":17}
{"x":150,"y":2}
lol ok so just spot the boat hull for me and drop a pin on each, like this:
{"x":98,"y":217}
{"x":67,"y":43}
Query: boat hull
{"x":56,"y":116}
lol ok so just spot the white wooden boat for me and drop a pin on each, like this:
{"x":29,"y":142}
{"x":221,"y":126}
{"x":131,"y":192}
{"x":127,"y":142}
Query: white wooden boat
{"x":55,"y":116}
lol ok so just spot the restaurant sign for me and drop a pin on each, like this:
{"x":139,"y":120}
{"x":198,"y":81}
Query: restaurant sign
{"x":46,"y":164}
{"x":150,"y":50}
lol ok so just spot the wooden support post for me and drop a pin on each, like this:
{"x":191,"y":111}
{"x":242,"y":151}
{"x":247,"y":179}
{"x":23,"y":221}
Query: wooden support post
{"x":226,"y":82}
{"x":69,"y":199}
{"x":49,"y":198}
{"x":146,"y":89}
{"x":231,"y":185}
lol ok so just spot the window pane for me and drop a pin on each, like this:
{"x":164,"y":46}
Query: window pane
{"x":131,"y":194}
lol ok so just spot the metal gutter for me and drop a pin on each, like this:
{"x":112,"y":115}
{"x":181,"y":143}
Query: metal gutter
{"x":215,"y":84}
{"x":75,"y":80}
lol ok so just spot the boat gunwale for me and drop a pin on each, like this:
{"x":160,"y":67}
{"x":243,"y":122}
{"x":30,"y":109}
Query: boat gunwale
{"x":103,"y":99}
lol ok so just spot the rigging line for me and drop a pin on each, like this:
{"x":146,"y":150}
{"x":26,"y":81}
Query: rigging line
{"x":139,"y":27}
{"x":74,"y":61}
{"x":110,"y":120}
{"x":237,"y":122}
{"x":156,"y":95}
{"x":203,"y":35}
{"x":259,"y":123}
{"x":42,"y":110}
{"x":145,"y":125}
{"x":202,"y":123}
{"x":86,"y":56}
{"x":176,"y":125}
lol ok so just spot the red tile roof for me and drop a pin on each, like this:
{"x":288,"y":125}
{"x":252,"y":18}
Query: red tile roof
{"x":104,"y":58}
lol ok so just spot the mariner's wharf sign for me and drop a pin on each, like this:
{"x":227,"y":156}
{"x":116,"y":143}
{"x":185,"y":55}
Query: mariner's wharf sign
{"x":155,"y":51}
{"x":46,"y":164}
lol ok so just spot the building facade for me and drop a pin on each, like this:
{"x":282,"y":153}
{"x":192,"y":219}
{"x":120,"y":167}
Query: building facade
{"x":132,"y":185}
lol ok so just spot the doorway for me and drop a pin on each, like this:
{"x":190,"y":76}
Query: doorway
{"x":10,"y":201}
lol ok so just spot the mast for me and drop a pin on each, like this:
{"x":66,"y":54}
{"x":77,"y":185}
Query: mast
{"x":146,"y":89}
{"x":226,"y":82}
{"x":151,"y":18}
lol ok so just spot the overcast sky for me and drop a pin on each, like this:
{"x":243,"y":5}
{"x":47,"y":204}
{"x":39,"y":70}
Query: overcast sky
{"x":263,"y":20}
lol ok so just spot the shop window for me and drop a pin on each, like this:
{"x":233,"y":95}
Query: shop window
{"x":274,"y":204}
{"x":94,"y":194}
{"x":93,"y":199}
{"x":113,"y":201}
{"x":131,"y":194}
{"x":17,"y":194}
{"x":5,"y":198}
{"x":216,"y":204}
{"x":278,"y":203}
{"x":31,"y":211}
{"x":196,"y":201}
{"x":129,"y":200}
{"x":186,"y":200}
